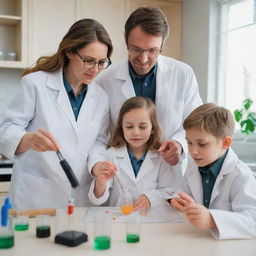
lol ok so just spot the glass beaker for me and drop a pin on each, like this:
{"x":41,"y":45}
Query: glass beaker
{"x":102,"y":231}
{"x":133,"y":228}
{"x":43,"y":227}
{"x":126,"y":203}
{"x":21,"y":220}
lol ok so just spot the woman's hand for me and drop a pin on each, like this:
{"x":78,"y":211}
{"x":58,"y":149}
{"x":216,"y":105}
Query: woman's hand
{"x":40,"y":140}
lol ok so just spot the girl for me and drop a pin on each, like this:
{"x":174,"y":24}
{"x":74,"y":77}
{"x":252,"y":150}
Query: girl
{"x":133,"y":151}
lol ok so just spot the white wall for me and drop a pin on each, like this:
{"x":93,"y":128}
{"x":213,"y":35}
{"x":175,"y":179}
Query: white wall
{"x":199,"y":40}
{"x":9,"y":82}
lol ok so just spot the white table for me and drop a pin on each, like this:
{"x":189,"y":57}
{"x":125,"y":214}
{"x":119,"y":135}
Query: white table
{"x":157,"y":239}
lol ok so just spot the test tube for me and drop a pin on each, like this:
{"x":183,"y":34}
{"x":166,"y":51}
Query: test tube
{"x":102,"y":231}
{"x":133,"y":228}
{"x":43,"y":228}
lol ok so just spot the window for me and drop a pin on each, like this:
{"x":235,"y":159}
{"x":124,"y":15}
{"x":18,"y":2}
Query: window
{"x":237,"y":58}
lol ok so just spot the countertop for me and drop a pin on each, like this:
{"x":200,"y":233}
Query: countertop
{"x":157,"y":239}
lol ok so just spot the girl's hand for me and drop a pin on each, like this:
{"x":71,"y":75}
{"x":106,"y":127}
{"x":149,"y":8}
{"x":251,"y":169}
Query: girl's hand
{"x":141,"y":203}
{"x":105,"y":167}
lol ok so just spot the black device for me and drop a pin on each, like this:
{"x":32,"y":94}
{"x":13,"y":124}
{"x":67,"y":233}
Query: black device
{"x":71,"y":238}
{"x":68,"y":170}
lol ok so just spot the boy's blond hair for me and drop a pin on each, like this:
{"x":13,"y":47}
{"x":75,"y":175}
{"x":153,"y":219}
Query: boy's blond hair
{"x":211,"y":118}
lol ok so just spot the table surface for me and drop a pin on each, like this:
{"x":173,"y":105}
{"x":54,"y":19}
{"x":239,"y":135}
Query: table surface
{"x":157,"y":239}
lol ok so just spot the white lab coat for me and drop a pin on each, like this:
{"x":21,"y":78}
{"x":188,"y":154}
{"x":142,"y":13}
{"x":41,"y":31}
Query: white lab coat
{"x":233,"y":199}
{"x":176,"y":94}
{"x":38,"y":180}
{"x":156,"y":179}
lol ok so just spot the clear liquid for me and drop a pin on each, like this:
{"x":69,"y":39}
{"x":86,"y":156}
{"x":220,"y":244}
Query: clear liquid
{"x":101,"y":242}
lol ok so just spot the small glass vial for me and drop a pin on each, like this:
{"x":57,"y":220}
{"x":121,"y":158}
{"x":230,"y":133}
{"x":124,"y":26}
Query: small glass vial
{"x":126,"y":202}
{"x":102,"y":231}
{"x":43,"y":228}
{"x":21,"y":221}
{"x":133,"y":228}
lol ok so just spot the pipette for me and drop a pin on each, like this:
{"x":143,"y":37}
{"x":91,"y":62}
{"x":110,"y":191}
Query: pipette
{"x":68,"y":170}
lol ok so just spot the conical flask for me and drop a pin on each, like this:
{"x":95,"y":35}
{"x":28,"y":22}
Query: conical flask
{"x":126,"y":202}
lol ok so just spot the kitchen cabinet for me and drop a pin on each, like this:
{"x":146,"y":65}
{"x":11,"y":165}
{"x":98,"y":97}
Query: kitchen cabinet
{"x":33,"y":28}
{"x":48,"y":22}
{"x":13,"y":32}
{"x":172,"y":10}
{"x":113,"y":14}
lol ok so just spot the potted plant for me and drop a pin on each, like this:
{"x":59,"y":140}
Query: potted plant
{"x":246,"y":117}
{"x":244,"y":143}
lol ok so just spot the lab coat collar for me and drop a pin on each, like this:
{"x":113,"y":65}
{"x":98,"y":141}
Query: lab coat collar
{"x":195,"y":180}
{"x":125,"y":164}
{"x":227,"y":167}
{"x":55,"y":82}
{"x":127,"y":88}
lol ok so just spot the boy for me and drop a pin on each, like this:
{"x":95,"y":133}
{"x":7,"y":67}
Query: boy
{"x":218,"y":191}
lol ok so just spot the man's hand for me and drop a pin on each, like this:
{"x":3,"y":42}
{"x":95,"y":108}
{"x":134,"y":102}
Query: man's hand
{"x":171,"y":152}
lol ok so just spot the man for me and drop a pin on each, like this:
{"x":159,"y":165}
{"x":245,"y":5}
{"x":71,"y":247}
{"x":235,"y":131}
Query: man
{"x":169,"y":83}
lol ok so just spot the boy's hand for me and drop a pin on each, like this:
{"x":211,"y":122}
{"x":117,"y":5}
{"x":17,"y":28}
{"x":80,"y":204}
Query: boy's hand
{"x":182,"y":202}
{"x":141,"y":203}
{"x":200,"y":216}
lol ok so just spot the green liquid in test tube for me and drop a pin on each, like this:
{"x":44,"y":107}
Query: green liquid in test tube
{"x":101,"y":242}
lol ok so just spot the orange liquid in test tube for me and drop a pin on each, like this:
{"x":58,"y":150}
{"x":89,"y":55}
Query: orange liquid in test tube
{"x":126,"y":209}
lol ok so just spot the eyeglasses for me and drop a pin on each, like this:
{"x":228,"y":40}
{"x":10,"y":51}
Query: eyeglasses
{"x":90,"y":63}
{"x":152,"y":52}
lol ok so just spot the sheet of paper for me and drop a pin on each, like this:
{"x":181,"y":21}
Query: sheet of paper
{"x":151,"y":215}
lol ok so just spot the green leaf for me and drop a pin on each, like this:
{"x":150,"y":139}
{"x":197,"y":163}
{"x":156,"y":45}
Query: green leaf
{"x":252,"y":116}
{"x":247,"y":103}
{"x":247,"y":126}
{"x":238,"y":114}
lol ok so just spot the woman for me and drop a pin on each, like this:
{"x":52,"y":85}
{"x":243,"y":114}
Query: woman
{"x":59,"y":107}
